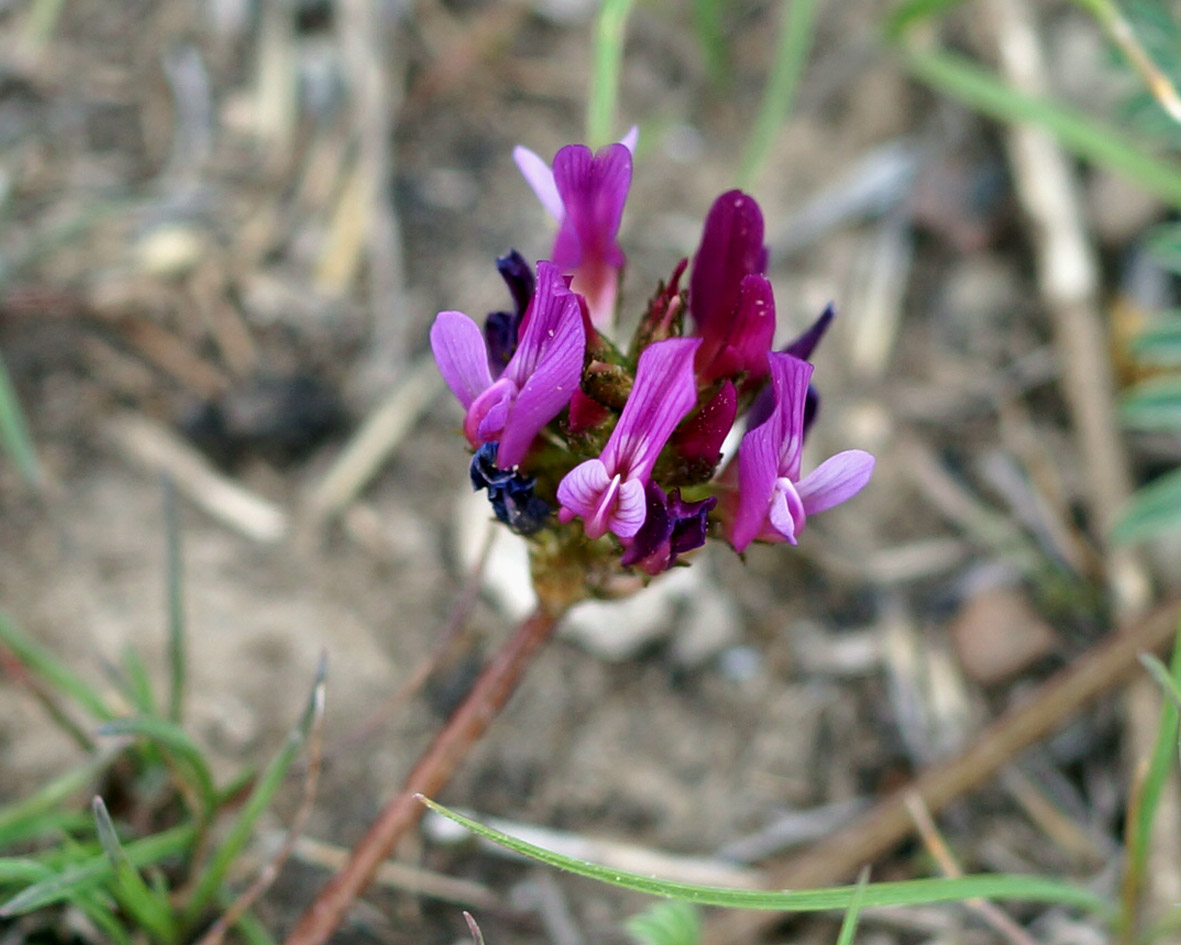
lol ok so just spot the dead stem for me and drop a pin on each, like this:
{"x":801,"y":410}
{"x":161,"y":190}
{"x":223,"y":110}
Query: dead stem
{"x":429,"y":776}
{"x":886,"y":824}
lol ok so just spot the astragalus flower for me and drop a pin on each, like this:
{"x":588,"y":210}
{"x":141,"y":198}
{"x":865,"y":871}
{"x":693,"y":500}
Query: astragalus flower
{"x":773,"y":502}
{"x":538,"y":380}
{"x":605,"y":452}
{"x":585,"y":193}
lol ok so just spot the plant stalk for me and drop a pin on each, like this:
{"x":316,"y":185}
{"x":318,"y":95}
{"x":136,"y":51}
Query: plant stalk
{"x":430,"y":774}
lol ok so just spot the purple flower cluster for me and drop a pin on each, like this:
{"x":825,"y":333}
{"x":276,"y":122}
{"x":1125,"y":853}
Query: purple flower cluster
{"x":628,"y":441}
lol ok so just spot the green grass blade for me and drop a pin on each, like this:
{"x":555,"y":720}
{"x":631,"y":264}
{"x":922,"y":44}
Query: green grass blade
{"x":44,"y":664}
{"x":252,"y":931}
{"x":97,"y":909}
{"x":49,"y":825}
{"x":711,"y":37}
{"x":849,"y":923}
{"x":1154,"y":405}
{"x":1164,"y":245}
{"x":1153,"y":509}
{"x":1170,"y":686}
{"x":177,"y":654}
{"x":177,"y":743}
{"x":909,"y":893}
{"x":139,"y":683}
{"x":209,"y":883}
{"x":1083,"y":136}
{"x":20,"y":869}
{"x":667,"y":923}
{"x":147,"y":908}
{"x":795,"y":42}
{"x":607,"y":63}
{"x":81,"y":876}
{"x":1160,"y":343}
{"x":14,"y":816}
{"x":14,"y":431}
{"x":1164,"y":757}
{"x":913,"y":12}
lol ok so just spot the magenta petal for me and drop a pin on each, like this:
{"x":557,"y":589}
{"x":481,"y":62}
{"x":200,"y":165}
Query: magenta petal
{"x":789,"y":379}
{"x":838,"y":478}
{"x":664,"y":392}
{"x":539,"y":176}
{"x":731,"y":248}
{"x":548,"y":315}
{"x":549,"y":387}
{"x":460,"y":353}
{"x":757,"y":459}
{"x":701,"y":437}
{"x":593,"y":189}
{"x":487,"y":415}
{"x":630,"y":510}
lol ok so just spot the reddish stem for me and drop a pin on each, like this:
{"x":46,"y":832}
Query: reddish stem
{"x":430,"y":775}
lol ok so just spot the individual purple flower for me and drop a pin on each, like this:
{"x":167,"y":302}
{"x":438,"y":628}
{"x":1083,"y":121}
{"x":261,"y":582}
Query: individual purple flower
{"x":585,"y":193}
{"x":538,"y":380}
{"x":608,"y":492}
{"x":724,"y":296}
{"x":773,"y":503}
{"x":672,"y":527}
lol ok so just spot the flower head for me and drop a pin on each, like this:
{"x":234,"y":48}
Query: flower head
{"x":585,"y":192}
{"x":538,"y":380}
{"x":773,"y":501}
{"x":608,"y":492}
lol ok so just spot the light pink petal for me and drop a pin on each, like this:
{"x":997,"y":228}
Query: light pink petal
{"x":757,"y":460}
{"x":629,"y":140}
{"x":462,"y":357}
{"x":487,"y":415}
{"x":838,"y":478}
{"x":539,"y":176}
{"x":630,"y":509}
{"x":789,"y":379}
{"x":786,"y":515}
{"x":663,"y":394}
{"x":581,"y":492}
{"x":549,"y":388}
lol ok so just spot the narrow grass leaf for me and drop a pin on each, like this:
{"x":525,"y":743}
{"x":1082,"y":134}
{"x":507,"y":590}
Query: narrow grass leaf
{"x":14,"y":431}
{"x":97,"y":869}
{"x":709,"y":25}
{"x":1164,"y":757}
{"x":667,"y":923}
{"x":176,"y":742}
{"x":1154,"y":509}
{"x":209,"y":883}
{"x":853,"y":913}
{"x":32,"y":809}
{"x":1088,"y":138}
{"x":44,"y":664}
{"x":1153,"y":405}
{"x":607,"y":63}
{"x":99,"y":910}
{"x":252,"y":931}
{"x":1160,"y":343}
{"x":912,"y":12}
{"x":795,"y":42}
{"x":139,"y":683}
{"x":1164,"y":245}
{"x":908,"y":893}
{"x":20,"y":869}
{"x":177,"y":654}
{"x":147,"y":908}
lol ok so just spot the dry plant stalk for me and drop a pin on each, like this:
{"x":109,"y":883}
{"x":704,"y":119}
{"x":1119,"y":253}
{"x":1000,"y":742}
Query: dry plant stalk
{"x":430,"y":775}
{"x":886,"y":824}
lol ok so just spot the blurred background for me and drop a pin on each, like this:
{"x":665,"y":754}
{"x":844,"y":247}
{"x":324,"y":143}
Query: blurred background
{"x":225,"y":227}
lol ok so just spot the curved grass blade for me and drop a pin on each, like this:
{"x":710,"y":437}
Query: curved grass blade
{"x":1083,"y":136}
{"x":98,"y":909}
{"x":1154,"y":509}
{"x":82,"y":876}
{"x":1160,"y":343}
{"x":177,"y":653}
{"x":1153,"y":405}
{"x":174,"y":740}
{"x":22,"y":869}
{"x":909,"y":893}
{"x":139,"y":683}
{"x":209,"y":883}
{"x":14,"y":817}
{"x":667,"y":923}
{"x":795,"y":42}
{"x":44,"y":664}
{"x":148,"y":908}
{"x":14,"y":431}
{"x":607,"y":58}
{"x":911,"y":12}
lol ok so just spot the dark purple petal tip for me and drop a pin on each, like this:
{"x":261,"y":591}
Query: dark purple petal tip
{"x":671,"y":528}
